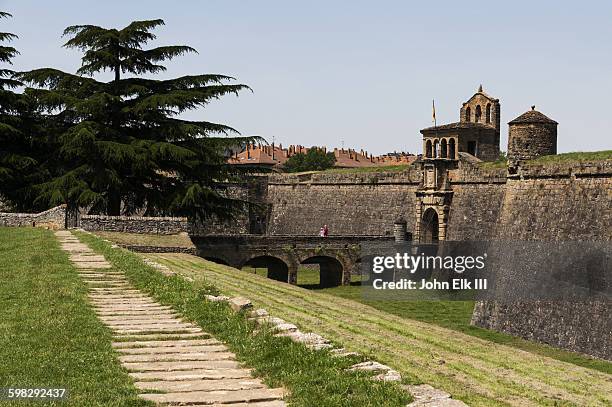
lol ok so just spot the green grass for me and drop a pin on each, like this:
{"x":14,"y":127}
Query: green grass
{"x":313,"y":378}
{"x":146,"y":239}
{"x":478,"y":371}
{"x":456,"y":315}
{"x":501,"y":163}
{"x":49,"y":335}
{"x":573,"y":157}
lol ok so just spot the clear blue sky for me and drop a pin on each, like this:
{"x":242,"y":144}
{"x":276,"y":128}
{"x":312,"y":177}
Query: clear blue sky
{"x":363,"y":71}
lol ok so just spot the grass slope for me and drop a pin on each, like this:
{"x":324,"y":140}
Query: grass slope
{"x":477,"y":371}
{"x":49,"y":335}
{"x":313,"y":378}
{"x":456,"y":315}
{"x":574,"y":157}
{"x":147,"y":239}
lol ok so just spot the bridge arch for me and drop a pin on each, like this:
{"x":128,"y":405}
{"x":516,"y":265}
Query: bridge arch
{"x":331,"y":270}
{"x":277,"y":268}
{"x":217,"y":260}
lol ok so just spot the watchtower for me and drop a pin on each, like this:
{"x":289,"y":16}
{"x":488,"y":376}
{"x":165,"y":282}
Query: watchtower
{"x":531,"y":135}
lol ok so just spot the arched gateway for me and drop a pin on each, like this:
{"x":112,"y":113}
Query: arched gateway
{"x":429,"y":226}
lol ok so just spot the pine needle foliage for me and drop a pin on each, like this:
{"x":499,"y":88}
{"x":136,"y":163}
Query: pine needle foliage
{"x":122,"y":144}
{"x":18,"y":147}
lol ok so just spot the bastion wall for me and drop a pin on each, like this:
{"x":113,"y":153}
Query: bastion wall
{"x":556,"y":204}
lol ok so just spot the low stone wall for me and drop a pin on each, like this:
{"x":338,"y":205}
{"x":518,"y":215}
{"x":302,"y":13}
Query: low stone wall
{"x":135,"y":224}
{"x":160,"y":249}
{"x":54,"y":218}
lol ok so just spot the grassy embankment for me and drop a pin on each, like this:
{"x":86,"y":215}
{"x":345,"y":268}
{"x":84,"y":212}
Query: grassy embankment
{"x":141,"y":239}
{"x":49,"y":335}
{"x":574,"y":157}
{"x":478,"y":371}
{"x":449,"y":314}
{"x":313,"y":378}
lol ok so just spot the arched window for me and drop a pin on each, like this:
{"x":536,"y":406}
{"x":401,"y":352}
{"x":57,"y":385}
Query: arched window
{"x":436,"y":149}
{"x":451,"y":149}
{"x":443,"y":149}
{"x":468,"y":114}
{"x":428,"y":149}
{"x":488,"y":113}
{"x":478,"y":114}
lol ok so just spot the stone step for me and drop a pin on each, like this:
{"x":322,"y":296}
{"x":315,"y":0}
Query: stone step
{"x":138,"y":320}
{"x":139,"y":313}
{"x":92,"y":265}
{"x":111,"y":296}
{"x":138,"y":317}
{"x":217,"y":397}
{"x":273,"y":403}
{"x":160,"y":337}
{"x":168,"y":343}
{"x":105,"y":280}
{"x":88,"y":258}
{"x":159,"y":350}
{"x":200,"y":385}
{"x":194,"y":374}
{"x":96,"y":276}
{"x":130,"y":301}
{"x":110,"y":290}
{"x":151,"y":327}
{"x":153,"y":331}
{"x":174,"y":366}
{"x":118,"y":298}
{"x":176,"y":324}
{"x":176,"y":357}
{"x":135,"y":307}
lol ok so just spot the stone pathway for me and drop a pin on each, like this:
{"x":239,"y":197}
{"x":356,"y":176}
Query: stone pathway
{"x":172,"y":362}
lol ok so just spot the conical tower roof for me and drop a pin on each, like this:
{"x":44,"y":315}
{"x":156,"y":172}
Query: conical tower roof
{"x":532,"y":116}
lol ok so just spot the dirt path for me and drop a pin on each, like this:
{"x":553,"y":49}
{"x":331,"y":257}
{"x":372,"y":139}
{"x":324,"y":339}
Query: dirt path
{"x":171,"y":361}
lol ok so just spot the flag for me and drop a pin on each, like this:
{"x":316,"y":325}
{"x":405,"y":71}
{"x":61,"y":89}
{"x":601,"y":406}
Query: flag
{"x":433,"y":115}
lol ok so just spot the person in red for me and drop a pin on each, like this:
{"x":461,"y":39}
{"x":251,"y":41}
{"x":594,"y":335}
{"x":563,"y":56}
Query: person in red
{"x":325,"y":231}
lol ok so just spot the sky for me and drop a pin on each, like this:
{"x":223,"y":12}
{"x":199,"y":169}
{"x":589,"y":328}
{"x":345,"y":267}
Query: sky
{"x":363,"y":74}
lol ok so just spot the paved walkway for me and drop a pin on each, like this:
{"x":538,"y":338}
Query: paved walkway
{"x":161,"y":352}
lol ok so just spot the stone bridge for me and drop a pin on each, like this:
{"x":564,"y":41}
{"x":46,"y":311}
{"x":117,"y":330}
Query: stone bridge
{"x":337,"y":256}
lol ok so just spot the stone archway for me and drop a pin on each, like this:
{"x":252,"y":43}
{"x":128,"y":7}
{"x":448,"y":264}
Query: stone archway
{"x":216,"y":260}
{"x":277,"y":268}
{"x":429,"y":230}
{"x":330,"y":270}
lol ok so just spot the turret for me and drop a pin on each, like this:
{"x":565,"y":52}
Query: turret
{"x":531,"y":135}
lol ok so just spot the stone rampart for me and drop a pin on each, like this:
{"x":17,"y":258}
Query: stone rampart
{"x":359,"y":203}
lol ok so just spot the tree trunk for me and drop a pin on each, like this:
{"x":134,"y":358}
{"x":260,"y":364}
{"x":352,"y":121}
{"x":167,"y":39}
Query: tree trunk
{"x":113,"y":207}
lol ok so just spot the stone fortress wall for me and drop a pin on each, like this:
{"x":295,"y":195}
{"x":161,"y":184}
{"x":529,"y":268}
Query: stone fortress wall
{"x":348,"y":203}
{"x":556,"y":204}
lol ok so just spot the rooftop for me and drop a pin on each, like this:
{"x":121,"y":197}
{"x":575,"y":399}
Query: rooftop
{"x":533,"y":116}
{"x":459,"y":125}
